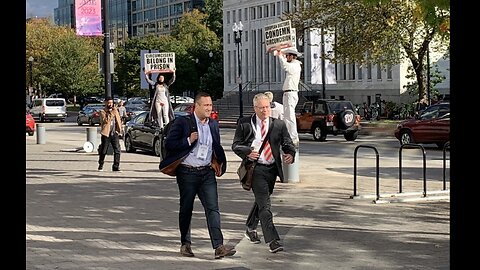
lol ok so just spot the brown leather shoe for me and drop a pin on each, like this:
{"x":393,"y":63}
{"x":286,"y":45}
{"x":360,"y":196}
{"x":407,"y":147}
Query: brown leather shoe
{"x":186,"y":250}
{"x":223,"y":251}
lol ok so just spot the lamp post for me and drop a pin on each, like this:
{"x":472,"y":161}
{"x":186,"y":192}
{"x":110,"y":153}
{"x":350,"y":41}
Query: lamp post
{"x":30,"y":69}
{"x":237,"y":30}
{"x":322,"y":52}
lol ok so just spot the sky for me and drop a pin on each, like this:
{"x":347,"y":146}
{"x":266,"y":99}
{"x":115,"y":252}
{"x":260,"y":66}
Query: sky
{"x":40,"y":8}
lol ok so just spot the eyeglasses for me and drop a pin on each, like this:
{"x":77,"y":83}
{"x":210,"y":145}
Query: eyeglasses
{"x":263,"y":108}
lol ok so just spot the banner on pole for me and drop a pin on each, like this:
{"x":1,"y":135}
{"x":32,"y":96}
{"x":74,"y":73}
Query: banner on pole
{"x":88,"y":17}
{"x":278,"y":36}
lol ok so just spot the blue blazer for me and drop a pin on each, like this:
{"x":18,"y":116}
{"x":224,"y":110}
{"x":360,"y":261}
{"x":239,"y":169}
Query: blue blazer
{"x":177,"y":146}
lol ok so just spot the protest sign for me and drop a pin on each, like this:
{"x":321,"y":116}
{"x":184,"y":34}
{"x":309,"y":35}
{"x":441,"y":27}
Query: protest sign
{"x":278,"y":36}
{"x":159,"y":62}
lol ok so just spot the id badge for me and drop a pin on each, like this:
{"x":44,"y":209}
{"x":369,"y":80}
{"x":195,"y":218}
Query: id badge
{"x":256,"y":145}
{"x":202,"y":152}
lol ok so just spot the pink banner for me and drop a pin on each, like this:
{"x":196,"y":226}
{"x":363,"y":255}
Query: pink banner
{"x":88,"y":14}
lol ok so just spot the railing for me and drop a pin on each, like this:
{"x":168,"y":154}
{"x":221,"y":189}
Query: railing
{"x":377,"y":170}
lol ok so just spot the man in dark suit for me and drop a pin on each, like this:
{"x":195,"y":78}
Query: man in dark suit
{"x":196,"y":147}
{"x":251,"y":132}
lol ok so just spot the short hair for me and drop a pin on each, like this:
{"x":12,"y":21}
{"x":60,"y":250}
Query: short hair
{"x":269,"y":95}
{"x":258,"y":97}
{"x":200,"y":95}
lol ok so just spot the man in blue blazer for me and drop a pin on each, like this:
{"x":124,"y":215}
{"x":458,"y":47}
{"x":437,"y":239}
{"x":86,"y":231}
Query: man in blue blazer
{"x":196,"y":157}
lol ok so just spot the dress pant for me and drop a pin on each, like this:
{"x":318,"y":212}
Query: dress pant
{"x":114,"y":140}
{"x":192,"y":182}
{"x":262,"y":186}
{"x":290,"y":100}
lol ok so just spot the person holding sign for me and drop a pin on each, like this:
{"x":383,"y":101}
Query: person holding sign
{"x":160,"y":104}
{"x":293,"y":68}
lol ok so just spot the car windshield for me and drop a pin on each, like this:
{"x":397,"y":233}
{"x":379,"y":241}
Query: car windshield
{"x":339,"y":106}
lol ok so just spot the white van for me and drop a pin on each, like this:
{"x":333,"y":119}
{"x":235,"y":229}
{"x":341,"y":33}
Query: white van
{"x":49,"y":109}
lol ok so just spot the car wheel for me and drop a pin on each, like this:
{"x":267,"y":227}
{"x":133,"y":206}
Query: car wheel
{"x":351,"y":136}
{"x":157,"y":147}
{"x":405,"y":137}
{"x":318,"y":133}
{"x":128,"y":145}
{"x":79,"y":122}
{"x":347,"y":118}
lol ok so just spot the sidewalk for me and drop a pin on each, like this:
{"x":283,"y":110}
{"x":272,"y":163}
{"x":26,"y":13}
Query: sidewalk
{"x":79,"y":218}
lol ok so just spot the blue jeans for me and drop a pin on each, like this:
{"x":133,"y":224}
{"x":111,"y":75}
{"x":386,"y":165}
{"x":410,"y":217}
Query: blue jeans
{"x":203,"y":183}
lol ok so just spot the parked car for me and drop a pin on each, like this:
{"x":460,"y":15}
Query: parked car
{"x":142,"y":134}
{"x":44,"y":109}
{"x":188,"y":107}
{"x":328,"y":116}
{"x":134,"y":110}
{"x":30,"y":127}
{"x":90,"y":114}
{"x":432,"y":126}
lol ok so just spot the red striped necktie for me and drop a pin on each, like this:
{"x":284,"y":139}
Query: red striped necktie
{"x":267,"y":151}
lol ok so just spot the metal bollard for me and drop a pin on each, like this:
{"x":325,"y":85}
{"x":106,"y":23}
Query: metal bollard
{"x":40,"y":133}
{"x":291,"y":173}
{"x":92,"y":136}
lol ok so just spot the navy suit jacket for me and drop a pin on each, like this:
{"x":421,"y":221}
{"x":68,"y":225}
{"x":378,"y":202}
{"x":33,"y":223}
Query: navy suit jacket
{"x":177,"y":145}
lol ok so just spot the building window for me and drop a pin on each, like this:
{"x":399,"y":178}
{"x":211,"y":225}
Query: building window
{"x":369,"y":71}
{"x":246,"y":36}
{"x":228,"y":17}
{"x":379,"y":72}
{"x":228,"y":38}
{"x":272,"y":9}
{"x":149,"y":15}
{"x":389,"y":72}
{"x":162,"y":12}
{"x":162,"y":2}
{"x":260,"y":14}
{"x":176,"y":9}
{"x":162,"y":25}
{"x":234,"y":15}
{"x":148,"y":3}
{"x":351,"y":73}
{"x":265,"y":11}
{"x":239,"y":14}
{"x":229,"y":75}
{"x":279,"y":9}
{"x":247,"y":78}
{"x":150,"y":28}
{"x":360,"y":72}
{"x":286,"y":7}
{"x":245,"y":14}
{"x":252,"y":13}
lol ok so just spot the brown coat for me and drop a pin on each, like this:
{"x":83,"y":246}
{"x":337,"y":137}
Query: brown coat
{"x":106,"y":118}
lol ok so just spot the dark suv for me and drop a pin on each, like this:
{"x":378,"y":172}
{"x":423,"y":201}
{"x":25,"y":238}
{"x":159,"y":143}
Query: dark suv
{"x":328,"y":116}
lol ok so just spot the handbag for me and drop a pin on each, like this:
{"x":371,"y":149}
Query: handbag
{"x":246,"y":168}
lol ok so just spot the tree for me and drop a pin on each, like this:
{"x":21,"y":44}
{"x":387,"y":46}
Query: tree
{"x":64,"y":62}
{"x":199,"y":41}
{"x":382,"y":32}
{"x":214,"y":19}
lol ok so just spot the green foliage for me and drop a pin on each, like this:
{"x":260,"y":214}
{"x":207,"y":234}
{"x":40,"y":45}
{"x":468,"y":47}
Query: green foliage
{"x":64,"y":62}
{"x":214,"y":19}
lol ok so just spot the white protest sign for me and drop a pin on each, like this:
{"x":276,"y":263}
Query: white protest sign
{"x":159,"y":62}
{"x":278,"y":36}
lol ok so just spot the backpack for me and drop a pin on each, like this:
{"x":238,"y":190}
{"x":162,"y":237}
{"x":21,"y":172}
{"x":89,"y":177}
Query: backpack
{"x":166,"y":130}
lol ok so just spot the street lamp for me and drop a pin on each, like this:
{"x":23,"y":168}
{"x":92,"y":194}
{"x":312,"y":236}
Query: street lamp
{"x":30,"y":68}
{"x":237,"y":30}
